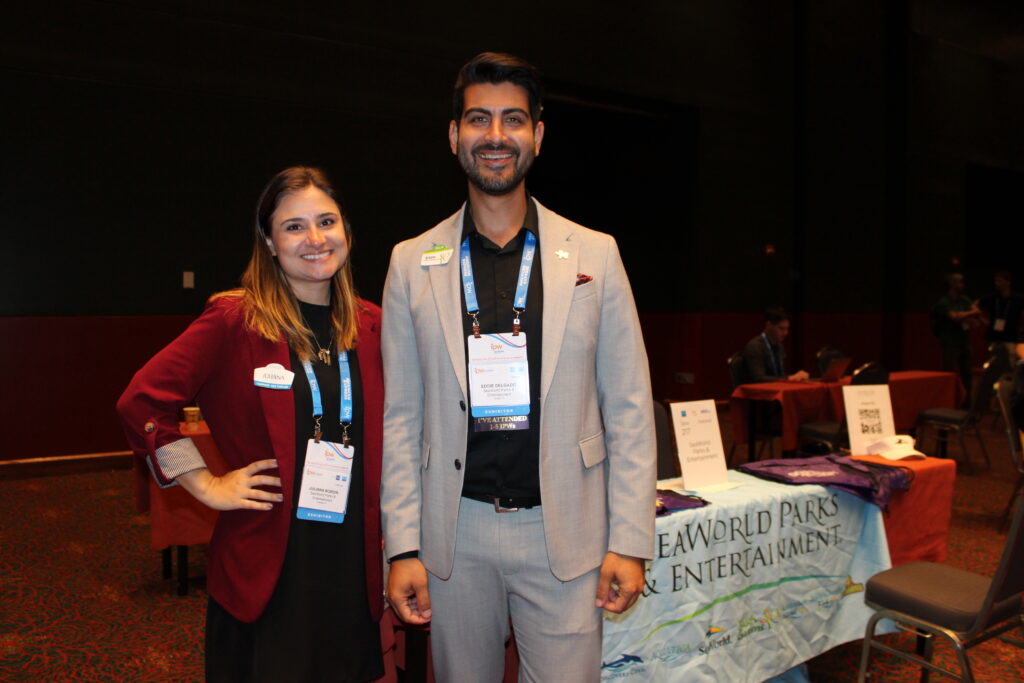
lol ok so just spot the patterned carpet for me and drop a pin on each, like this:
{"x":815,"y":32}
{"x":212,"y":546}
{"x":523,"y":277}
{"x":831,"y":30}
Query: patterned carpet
{"x":82,"y":599}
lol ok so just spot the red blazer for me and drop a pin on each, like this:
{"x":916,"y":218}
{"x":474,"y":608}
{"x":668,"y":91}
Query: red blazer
{"x":213,"y":362}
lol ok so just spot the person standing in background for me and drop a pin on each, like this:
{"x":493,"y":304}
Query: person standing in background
{"x":953,"y":316}
{"x":1002,"y":313}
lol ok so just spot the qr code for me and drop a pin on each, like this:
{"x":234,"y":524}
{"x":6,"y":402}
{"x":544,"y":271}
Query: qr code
{"x":870,"y":420}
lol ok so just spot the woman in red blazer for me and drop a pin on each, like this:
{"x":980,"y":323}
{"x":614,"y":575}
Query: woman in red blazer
{"x":295,"y":589}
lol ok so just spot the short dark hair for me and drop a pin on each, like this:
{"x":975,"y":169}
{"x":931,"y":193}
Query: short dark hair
{"x":1005,"y":274}
{"x":498,"y":67}
{"x":775,"y":315}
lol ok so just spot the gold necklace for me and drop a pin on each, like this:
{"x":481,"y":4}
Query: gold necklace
{"x":324,"y":355}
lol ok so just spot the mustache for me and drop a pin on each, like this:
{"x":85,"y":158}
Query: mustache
{"x":492,"y":147}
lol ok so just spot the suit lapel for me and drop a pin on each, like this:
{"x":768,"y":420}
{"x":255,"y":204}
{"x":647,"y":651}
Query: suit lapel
{"x":444,"y":284}
{"x":278,"y":408}
{"x":559,"y":258}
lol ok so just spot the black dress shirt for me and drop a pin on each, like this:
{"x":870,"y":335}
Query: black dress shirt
{"x":505,"y":463}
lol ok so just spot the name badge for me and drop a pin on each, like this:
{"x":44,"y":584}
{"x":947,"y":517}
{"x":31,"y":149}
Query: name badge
{"x":499,"y":384}
{"x":437,"y":255}
{"x":274,"y":376}
{"x":326,"y":478}
{"x":999,"y":324}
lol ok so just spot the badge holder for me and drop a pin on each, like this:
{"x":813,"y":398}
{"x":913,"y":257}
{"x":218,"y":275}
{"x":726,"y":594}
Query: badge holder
{"x":327,"y":473}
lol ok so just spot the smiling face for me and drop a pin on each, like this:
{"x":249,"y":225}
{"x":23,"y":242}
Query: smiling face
{"x":496,"y":139}
{"x":308,"y":238}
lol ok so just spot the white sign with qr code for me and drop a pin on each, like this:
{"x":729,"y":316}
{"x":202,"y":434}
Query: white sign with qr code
{"x":868,"y":414}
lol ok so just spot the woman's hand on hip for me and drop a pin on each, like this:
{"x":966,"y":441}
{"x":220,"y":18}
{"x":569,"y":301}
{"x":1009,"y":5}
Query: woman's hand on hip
{"x":236,"y":489}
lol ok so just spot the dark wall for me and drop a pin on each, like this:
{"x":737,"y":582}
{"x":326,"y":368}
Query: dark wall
{"x":146,"y":133}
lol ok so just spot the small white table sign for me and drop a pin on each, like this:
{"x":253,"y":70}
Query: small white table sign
{"x":868,"y":415}
{"x":698,"y":444}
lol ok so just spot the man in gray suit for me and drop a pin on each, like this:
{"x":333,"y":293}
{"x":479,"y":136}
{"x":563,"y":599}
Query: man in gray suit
{"x":519,"y":456}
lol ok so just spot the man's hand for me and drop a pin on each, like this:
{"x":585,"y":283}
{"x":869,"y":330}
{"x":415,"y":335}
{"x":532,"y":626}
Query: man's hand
{"x":621,"y":582}
{"x":234,"y":491}
{"x":407,"y":591}
{"x":799,"y":376}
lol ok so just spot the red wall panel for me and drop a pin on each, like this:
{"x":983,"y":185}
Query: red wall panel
{"x":62,"y":375}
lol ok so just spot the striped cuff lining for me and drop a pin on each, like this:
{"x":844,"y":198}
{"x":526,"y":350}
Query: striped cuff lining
{"x":179,"y":457}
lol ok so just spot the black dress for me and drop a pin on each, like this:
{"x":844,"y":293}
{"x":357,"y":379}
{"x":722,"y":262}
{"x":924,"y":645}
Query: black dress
{"x":317,"y":625}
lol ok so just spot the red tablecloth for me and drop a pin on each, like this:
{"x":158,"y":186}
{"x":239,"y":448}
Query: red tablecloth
{"x":175,"y":517}
{"x":801,"y":402}
{"x":911,"y":390}
{"x":917,"y":524}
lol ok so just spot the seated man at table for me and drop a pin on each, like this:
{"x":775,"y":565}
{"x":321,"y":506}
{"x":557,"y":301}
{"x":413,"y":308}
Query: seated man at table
{"x":764,"y":356}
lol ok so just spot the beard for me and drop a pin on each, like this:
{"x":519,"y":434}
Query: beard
{"x":496,"y":184}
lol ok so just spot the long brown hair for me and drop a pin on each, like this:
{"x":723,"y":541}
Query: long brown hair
{"x":271,"y":309}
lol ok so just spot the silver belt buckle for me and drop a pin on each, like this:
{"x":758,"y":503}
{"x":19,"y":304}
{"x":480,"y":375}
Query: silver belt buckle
{"x":499,"y":509}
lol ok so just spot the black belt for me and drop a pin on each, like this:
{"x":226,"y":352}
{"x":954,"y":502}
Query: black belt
{"x":505,"y":504}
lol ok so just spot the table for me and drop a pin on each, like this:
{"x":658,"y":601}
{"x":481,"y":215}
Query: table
{"x":764,"y":578}
{"x":911,"y":390}
{"x":917,"y":523}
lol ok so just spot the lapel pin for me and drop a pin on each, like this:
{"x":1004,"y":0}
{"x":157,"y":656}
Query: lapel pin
{"x":562,"y":254}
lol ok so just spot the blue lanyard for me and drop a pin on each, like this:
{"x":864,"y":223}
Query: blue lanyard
{"x":345,"y":417}
{"x":522,"y":284}
{"x":771,"y":353}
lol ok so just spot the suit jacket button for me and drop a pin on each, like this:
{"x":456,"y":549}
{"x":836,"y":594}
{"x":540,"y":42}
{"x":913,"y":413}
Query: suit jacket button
{"x":462,"y":404}
{"x":150,"y":427}
{"x":458,"y":464}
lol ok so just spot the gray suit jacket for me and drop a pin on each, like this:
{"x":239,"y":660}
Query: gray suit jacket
{"x":597,"y":449}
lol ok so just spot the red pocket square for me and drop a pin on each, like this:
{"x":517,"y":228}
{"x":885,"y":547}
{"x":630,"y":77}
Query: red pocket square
{"x":583,"y":278}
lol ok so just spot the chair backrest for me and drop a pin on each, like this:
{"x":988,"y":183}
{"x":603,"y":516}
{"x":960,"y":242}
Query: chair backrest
{"x":1004,"y":395}
{"x":825,"y":356}
{"x":668,"y":463}
{"x":737,"y":369}
{"x":870,"y":373}
{"x":1008,"y":581}
{"x":981,"y":397}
